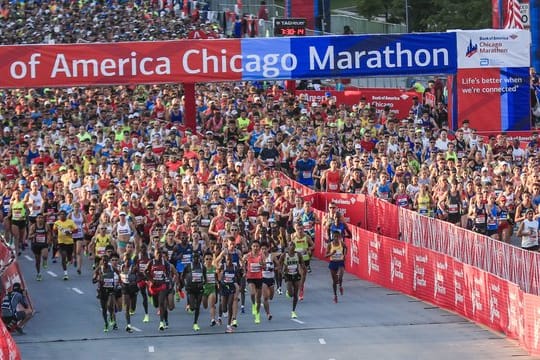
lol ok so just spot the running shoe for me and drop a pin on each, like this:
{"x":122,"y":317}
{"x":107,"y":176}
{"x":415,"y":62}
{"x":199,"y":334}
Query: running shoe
{"x":229,"y":329}
{"x":257,"y":318}
{"x":177,"y":297}
{"x":45,"y":265}
{"x":115,"y":326}
{"x":253,"y":309}
{"x":166,"y":324}
{"x":287,"y":294}
{"x":19,"y":331}
{"x":213,"y":322}
{"x":54,"y":260}
{"x":269,"y":316}
{"x":182,"y":294}
{"x":146,"y":318}
{"x":242,"y":309}
{"x":219,"y":321}
{"x":161,"y":326}
{"x":131,"y":312}
{"x":279,"y":291}
{"x":293,"y":315}
{"x":196,"y":327}
{"x":66,"y":277}
{"x":79,"y":271}
{"x":235,"y":323}
{"x":106,"y":328}
{"x":341,"y":290}
{"x":309,"y":269}
{"x":129,"y":329}
{"x":301,"y":295}
{"x":335,"y":299}
{"x":39,"y":277}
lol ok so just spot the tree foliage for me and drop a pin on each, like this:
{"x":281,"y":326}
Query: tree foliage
{"x":427,"y":15}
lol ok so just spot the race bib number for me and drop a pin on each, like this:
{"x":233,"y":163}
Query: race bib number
{"x":292,"y":269}
{"x":196,"y":277}
{"x":254,"y":267}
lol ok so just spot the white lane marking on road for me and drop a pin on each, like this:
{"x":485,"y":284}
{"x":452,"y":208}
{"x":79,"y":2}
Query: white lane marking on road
{"x":52,"y":274}
{"x":136,"y":328}
{"x":77,"y":291}
{"x":322,"y":341}
{"x":28,"y":258}
{"x":298,"y":321}
{"x":151,"y":349}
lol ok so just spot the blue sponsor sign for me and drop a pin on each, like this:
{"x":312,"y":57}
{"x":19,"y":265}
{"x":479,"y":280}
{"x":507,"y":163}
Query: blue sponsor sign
{"x":349,"y":56}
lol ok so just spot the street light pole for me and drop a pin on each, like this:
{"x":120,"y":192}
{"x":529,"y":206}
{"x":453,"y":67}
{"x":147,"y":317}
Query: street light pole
{"x":407,"y":15}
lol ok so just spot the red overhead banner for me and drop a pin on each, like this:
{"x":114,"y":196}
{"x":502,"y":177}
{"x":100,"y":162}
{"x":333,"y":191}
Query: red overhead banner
{"x":120,"y":63}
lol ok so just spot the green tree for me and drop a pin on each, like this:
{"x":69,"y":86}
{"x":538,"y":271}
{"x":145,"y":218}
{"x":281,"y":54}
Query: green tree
{"x":427,"y":15}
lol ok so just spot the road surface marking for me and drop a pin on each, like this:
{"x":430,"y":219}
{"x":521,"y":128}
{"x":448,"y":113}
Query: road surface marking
{"x":136,"y":328}
{"x":29,"y":258}
{"x":322,"y":341}
{"x":150,"y":349}
{"x":77,"y":291}
{"x":298,"y":321}
{"x":52,"y":274}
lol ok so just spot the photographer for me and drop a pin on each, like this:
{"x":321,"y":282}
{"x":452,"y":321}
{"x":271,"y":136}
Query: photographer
{"x":10,"y":315}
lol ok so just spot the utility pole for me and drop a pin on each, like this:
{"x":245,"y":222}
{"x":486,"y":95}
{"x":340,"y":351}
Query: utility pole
{"x":407,"y":15}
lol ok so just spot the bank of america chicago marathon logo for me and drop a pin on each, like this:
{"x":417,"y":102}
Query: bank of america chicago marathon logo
{"x":471,"y":49}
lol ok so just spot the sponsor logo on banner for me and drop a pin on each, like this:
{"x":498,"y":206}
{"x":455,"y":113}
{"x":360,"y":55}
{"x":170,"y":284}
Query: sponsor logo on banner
{"x":374,"y":246}
{"x":396,"y":99}
{"x":516,"y":318}
{"x":484,"y":48}
{"x":476,"y":294}
{"x":494,"y":313}
{"x":419,"y":271}
{"x":441,"y":268}
{"x":355,"y":247}
{"x":536,"y":328}
{"x":396,"y":263}
{"x":471,"y":49}
{"x":459,"y":281}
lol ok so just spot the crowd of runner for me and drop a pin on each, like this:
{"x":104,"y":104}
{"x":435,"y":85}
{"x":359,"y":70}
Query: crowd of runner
{"x":111,"y":175}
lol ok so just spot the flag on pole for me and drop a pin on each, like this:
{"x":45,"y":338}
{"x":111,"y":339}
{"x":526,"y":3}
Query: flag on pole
{"x":513,"y":15}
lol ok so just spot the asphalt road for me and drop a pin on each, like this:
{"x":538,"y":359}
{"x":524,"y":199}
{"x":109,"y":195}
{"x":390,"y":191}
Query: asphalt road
{"x":369,"y":322}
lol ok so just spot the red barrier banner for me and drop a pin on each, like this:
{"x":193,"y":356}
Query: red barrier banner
{"x":398,"y":100}
{"x":351,"y":206}
{"x":531,"y":336}
{"x":6,"y":255}
{"x":356,"y":254}
{"x":382,"y":217}
{"x":516,"y":313}
{"x":377,"y":269}
{"x":461,"y":295}
{"x":8,"y":347}
{"x":121,"y":63}
{"x":11,"y":275}
{"x":443,"y":286}
{"x":478,"y":309}
{"x":321,"y":238}
{"x":421,"y":261}
{"x":400,"y":277}
{"x":497,"y":292}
